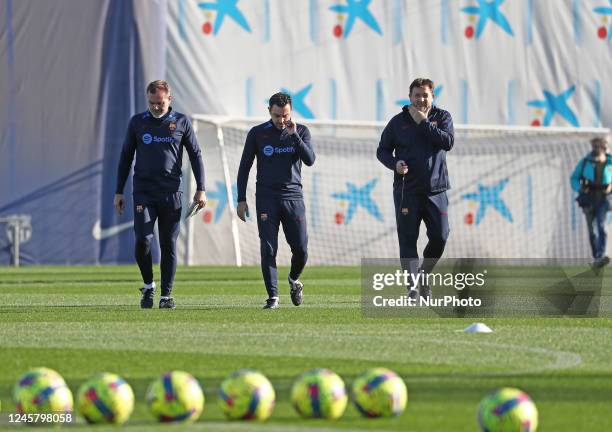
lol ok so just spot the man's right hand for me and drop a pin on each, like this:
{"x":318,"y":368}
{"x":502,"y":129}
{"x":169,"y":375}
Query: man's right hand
{"x":242,"y":210}
{"x":401,"y":168}
{"x":119,"y":203}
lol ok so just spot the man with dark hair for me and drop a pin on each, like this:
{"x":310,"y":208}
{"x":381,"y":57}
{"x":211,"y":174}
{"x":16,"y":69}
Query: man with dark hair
{"x":414,"y":145}
{"x":592,"y":177}
{"x":280,"y":146}
{"x":157,"y":137}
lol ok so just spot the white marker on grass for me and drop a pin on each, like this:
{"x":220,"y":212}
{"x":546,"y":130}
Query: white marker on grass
{"x":478,"y":328}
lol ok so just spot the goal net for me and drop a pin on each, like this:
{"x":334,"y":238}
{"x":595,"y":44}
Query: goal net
{"x":510,"y":195}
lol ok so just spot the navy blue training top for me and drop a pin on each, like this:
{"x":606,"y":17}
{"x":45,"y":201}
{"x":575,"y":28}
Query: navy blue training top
{"x":422,"y":146}
{"x":158,"y":144}
{"x":279,"y":161}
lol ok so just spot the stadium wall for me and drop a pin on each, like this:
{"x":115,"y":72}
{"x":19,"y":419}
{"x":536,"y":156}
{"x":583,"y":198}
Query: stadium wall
{"x":73,"y":72}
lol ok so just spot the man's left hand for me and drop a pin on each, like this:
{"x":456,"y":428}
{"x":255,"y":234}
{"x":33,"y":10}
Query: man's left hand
{"x":200,"y":198}
{"x":417,"y":116}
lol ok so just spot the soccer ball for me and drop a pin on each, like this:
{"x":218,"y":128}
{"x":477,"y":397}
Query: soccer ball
{"x":42,"y":391}
{"x":175,"y":397}
{"x":379,"y":393}
{"x":507,"y":409}
{"x":319,"y":393}
{"x":248,"y":395}
{"x":105,"y":398}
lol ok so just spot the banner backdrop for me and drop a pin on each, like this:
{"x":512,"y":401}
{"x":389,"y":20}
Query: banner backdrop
{"x":512,"y":62}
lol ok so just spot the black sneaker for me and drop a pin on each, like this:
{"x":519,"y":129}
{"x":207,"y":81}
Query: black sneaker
{"x":167,"y":303}
{"x":602,"y":262}
{"x":271,"y":303}
{"x":146,"y":299}
{"x":412,"y":293}
{"x":296,"y":292}
{"x":425,"y":291}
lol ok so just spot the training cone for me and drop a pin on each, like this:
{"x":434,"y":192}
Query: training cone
{"x":478,"y":328}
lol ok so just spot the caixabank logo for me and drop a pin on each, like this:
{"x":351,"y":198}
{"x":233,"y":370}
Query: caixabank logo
{"x":354,"y":197}
{"x":485,"y":197}
{"x":222,"y":9}
{"x":483,"y":14}
{"x":218,"y":202}
{"x":553,"y":105}
{"x":348,"y":12}
{"x":604,"y":31}
{"x":298,"y":100}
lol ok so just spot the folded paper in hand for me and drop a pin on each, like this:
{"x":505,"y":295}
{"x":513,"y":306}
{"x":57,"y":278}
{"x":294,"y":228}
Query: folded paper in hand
{"x":194,"y":209}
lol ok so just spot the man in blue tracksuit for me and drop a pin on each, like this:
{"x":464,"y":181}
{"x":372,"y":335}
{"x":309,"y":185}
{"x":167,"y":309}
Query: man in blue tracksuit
{"x":414,"y":145}
{"x":280,"y":146}
{"x":157,"y":137}
{"x":593,"y":177}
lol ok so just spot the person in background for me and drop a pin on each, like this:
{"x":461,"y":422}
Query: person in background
{"x":592,"y":178}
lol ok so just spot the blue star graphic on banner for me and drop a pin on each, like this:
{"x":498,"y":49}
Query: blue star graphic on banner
{"x":489,"y":10}
{"x":436,"y":92}
{"x":220,"y":194}
{"x":223,"y":8}
{"x":298,"y":103}
{"x":489,"y":196}
{"x":556,"y":105}
{"x":357,"y":9}
{"x":606,"y":11}
{"x":359,"y":197}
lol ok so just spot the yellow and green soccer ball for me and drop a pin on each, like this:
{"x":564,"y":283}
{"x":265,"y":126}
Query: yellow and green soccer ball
{"x":379,"y":392}
{"x":105,"y":398}
{"x":319,"y":393}
{"x":175,"y":397}
{"x":42,"y":391}
{"x":247,"y":395}
{"x":507,"y":409}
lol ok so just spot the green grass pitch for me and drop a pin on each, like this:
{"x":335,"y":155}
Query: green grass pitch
{"x":83,"y":320}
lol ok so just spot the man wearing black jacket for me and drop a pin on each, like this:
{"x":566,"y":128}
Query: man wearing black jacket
{"x":280,"y":146}
{"x":414,"y":145}
{"x":157,"y":137}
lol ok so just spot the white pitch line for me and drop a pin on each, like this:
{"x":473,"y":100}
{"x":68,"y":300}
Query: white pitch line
{"x":560,"y":359}
{"x":563,"y":359}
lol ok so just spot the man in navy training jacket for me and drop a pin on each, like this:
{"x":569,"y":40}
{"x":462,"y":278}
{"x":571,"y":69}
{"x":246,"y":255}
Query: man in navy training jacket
{"x":157,"y":137}
{"x":414,"y":145}
{"x":280,"y":146}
